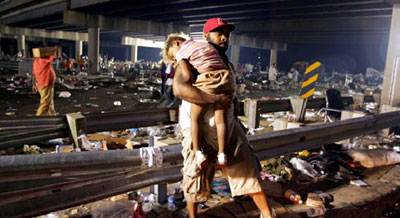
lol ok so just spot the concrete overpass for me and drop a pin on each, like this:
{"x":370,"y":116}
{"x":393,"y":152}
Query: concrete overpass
{"x":260,"y":23}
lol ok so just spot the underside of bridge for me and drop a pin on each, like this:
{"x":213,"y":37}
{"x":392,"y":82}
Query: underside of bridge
{"x":266,"y":24}
{"x":328,"y":21}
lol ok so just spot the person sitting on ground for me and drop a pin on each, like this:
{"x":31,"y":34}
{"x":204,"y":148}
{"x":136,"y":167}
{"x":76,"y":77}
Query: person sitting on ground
{"x":214,"y":78}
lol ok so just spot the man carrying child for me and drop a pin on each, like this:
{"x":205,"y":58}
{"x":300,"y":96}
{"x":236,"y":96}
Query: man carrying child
{"x":241,"y":169}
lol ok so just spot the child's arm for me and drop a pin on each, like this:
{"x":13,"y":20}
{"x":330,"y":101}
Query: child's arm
{"x":184,"y":89}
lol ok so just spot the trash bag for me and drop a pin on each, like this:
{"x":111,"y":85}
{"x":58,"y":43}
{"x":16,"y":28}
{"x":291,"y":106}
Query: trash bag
{"x":304,"y":167}
{"x":370,"y":158}
{"x":279,"y":167}
{"x":111,"y":209}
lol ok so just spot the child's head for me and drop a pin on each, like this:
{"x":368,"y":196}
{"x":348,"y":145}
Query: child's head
{"x":172,"y":45}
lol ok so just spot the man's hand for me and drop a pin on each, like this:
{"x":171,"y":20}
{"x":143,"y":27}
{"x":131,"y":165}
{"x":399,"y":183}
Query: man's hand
{"x":34,"y":89}
{"x":222,"y":99}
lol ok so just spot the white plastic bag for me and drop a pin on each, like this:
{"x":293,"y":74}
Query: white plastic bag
{"x":304,"y":167}
{"x":371,"y":158}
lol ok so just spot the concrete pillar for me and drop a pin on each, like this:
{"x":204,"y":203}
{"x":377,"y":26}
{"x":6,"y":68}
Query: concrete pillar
{"x":235,"y":54}
{"x":127,"y":51}
{"x":78,"y":49}
{"x":134,"y":53}
{"x":21,"y":44}
{"x":71,"y":52}
{"x":391,"y":80}
{"x":273,"y":57}
{"x":27,"y":50}
{"x":93,"y":50}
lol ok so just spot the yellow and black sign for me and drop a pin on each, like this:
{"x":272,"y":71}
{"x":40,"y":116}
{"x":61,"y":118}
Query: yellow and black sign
{"x":310,"y":77}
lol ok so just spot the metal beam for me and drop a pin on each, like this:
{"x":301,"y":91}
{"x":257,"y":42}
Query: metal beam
{"x":13,"y":4}
{"x":316,"y":25}
{"x":131,"y":9}
{"x":123,"y":172}
{"x":131,"y":41}
{"x":75,"y":4}
{"x":256,"y":42}
{"x":44,"y":9}
{"x":247,"y":41}
{"x":281,"y":9}
{"x":43,"y":33}
{"x":122,"y":24}
{"x":197,"y":6}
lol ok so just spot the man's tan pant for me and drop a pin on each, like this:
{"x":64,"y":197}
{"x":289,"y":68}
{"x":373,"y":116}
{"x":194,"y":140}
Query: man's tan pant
{"x":242,"y":171}
{"x":46,"y":102}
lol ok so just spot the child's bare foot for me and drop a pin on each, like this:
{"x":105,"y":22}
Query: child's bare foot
{"x":201,"y":160}
{"x":222,"y":159}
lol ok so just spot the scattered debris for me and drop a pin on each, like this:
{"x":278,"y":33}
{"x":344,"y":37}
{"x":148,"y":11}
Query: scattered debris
{"x":64,"y":94}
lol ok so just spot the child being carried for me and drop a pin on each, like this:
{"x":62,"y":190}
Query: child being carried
{"x":214,"y":78}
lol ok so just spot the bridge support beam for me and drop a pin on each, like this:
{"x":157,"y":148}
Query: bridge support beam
{"x":93,"y":50}
{"x":134,"y":53}
{"x":274,"y":54}
{"x":391,"y":80}
{"x":39,"y":33}
{"x":21,"y":44}
{"x":78,"y":49}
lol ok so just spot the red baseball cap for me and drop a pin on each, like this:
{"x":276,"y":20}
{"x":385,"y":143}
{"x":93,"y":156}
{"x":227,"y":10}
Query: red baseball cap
{"x":216,"y":22}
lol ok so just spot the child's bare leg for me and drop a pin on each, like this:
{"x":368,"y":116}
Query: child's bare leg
{"x":221,"y":117}
{"x":195,"y":116}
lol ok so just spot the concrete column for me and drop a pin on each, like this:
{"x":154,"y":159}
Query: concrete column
{"x":274,"y":54}
{"x":78,"y":49}
{"x":93,"y":50}
{"x":391,"y":79}
{"x":235,"y":54}
{"x":134,"y":53}
{"x":27,"y":50}
{"x":21,"y":44}
{"x":127,"y":51}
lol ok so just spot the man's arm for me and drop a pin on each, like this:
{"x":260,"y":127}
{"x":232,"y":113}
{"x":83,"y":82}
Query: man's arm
{"x":184,"y":89}
{"x":34,"y":85}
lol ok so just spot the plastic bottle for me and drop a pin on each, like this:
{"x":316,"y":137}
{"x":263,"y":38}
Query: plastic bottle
{"x":293,"y":197}
{"x":148,"y":202}
{"x":171,"y":204}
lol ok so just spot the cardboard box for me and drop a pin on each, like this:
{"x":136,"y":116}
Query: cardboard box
{"x":46,"y":51}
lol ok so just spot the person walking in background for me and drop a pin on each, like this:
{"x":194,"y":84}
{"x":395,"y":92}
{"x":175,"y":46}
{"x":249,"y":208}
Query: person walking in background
{"x":44,"y":79}
{"x":162,"y":69}
{"x":68,"y":65}
{"x":169,"y":79}
{"x":81,"y":63}
{"x":272,"y":76}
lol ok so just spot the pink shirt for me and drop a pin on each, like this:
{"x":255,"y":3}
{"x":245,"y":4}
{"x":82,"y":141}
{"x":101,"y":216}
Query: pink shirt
{"x":201,"y":55}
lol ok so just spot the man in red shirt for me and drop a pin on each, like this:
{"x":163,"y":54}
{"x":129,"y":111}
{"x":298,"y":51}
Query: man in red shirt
{"x":43,"y":81}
